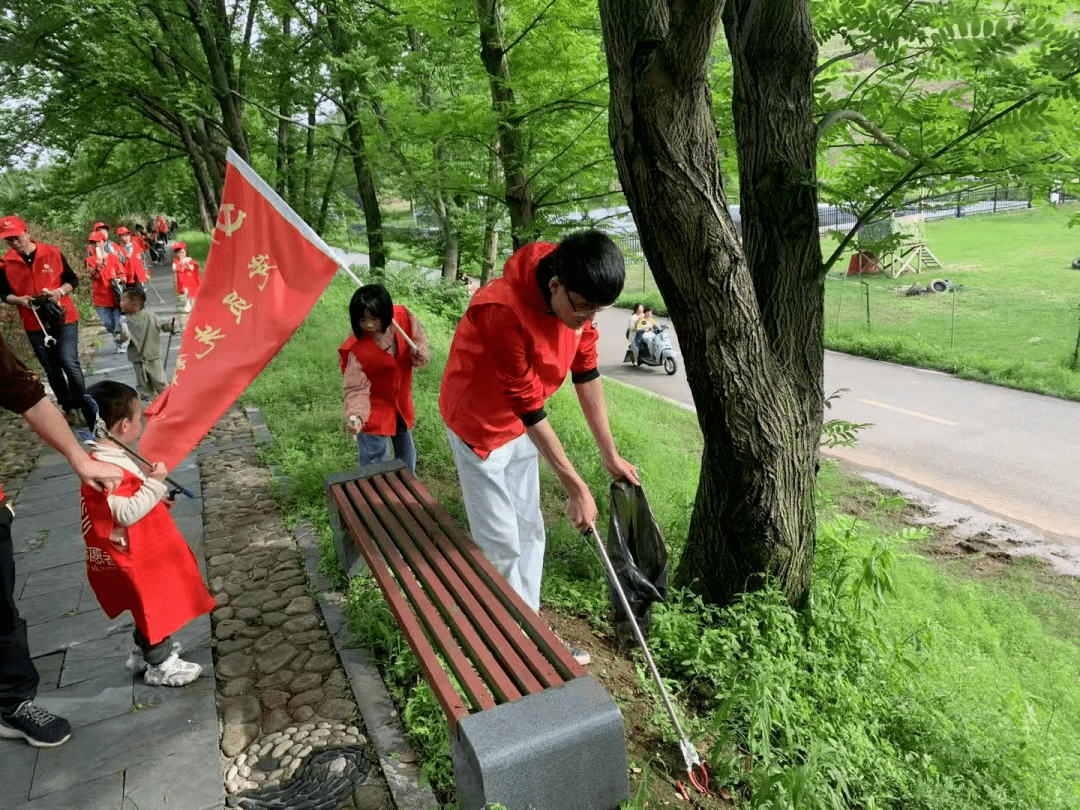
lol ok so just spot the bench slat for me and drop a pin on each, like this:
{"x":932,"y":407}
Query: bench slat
{"x":517,"y":649}
{"x":475,"y":689}
{"x":447,"y":604}
{"x":530,"y":621}
{"x":447,"y":695}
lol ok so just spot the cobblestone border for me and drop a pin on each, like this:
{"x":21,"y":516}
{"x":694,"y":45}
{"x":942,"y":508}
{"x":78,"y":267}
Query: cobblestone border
{"x":381,"y":719}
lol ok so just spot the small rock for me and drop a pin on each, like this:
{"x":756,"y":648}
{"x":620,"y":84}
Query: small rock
{"x":321,"y":663}
{"x":319,"y":733}
{"x":237,"y":711}
{"x":221,"y":559}
{"x":247,"y":614}
{"x":276,"y":658}
{"x":300,"y":624}
{"x":303,"y":714}
{"x":268,"y":764}
{"x":217,"y":584}
{"x":235,"y":687}
{"x":235,"y":665}
{"x":281,"y":748}
{"x":221,"y":599}
{"x":274,"y":619}
{"x":236,"y":738}
{"x":232,"y":645}
{"x":274,"y":699}
{"x":276,"y":720}
{"x":275,"y":604}
{"x":271,"y":640}
{"x":304,"y":682}
{"x":300,"y":605}
{"x":337,"y":767}
{"x":231,"y":773}
{"x":336,"y":709}
{"x":222,"y":613}
{"x":229,"y":628}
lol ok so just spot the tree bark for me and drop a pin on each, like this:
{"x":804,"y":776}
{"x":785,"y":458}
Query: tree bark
{"x":211,"y":23}
{"x":519,"y":194}
{"x":354,"y":132}
{"x":747,"y":332}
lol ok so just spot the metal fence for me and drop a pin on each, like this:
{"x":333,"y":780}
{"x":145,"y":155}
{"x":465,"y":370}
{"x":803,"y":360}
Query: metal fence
{"x":1040,"y":331}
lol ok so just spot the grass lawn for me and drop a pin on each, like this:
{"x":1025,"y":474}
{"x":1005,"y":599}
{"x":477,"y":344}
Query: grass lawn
{"x":1016,"y":296}
{"x":954,"y":690}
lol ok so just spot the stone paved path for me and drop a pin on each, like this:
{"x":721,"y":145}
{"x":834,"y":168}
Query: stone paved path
{"x":274,"y":700}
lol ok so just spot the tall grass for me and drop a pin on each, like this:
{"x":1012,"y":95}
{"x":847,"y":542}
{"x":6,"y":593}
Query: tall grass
{"x":899,"y":686}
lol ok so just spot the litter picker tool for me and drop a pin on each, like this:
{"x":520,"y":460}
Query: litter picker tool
{"x":696,"y":771}
{"x":49,"y":339}
{"x":402,"y":331}
{"x":101,"y":430}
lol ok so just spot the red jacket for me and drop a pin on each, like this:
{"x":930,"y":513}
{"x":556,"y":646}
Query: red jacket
{"x":156,"y":577}
{"x":391,"y":377}
{"x":46,"y":271}
{"x":508,"y":356}
{"x":102,"y":275}
{"x":187,"y":276}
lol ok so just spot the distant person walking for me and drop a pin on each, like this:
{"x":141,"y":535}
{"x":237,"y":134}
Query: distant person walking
{"x":31,"y":269}
{"x":187,"y":275}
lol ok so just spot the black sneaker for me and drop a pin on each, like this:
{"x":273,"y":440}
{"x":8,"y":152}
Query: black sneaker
{"x":38,"y":727}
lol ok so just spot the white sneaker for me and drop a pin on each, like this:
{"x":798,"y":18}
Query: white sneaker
{"x":173,"y":671}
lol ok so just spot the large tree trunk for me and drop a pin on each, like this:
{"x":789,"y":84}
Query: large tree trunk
{"x":750,"y":336}
{"x":341,"y":44}
{"x":519,"y":196}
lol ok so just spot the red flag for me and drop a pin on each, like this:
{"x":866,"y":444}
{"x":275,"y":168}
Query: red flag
{"x":265,"y":271}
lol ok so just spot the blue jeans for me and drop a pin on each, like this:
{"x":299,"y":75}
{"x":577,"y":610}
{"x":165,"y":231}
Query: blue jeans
{"x":373,"y":449}
{"x":111,"y":317}
{"x":61,"y":364}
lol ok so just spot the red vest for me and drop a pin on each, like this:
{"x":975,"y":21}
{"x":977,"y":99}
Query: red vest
{"x":133,"y":269}
{"x":101,"y":276}
{"x":46,"y":272}
{"x":187,"y":276}
{"x":472,"y":401}
{"x":391,"y":377}
{"x":156,"y":577}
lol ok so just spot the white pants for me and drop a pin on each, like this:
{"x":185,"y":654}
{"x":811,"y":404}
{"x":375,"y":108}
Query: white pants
{"x":502,"y":500}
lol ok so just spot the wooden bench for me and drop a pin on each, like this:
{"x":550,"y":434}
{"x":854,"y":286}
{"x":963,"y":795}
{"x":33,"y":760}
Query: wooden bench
{"x":529,"y":727}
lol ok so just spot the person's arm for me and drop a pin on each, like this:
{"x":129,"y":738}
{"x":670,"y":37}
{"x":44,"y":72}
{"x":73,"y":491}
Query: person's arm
{"x":356,"y":391}
{"x":590,"y":395}
{"x":127,"y":511}
{"x":422,"y":356}
{"x":47,"y":421}
{"x":580,"y":507}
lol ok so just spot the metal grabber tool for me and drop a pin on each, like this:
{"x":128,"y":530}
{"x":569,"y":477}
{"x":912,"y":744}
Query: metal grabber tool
{"x":49,"y":339}
{"x":100,"y":430}
{"x":697,"y":773}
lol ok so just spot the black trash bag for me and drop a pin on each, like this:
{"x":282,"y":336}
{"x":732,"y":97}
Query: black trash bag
{"x":51,"y":313}
{"x":639,"y":557}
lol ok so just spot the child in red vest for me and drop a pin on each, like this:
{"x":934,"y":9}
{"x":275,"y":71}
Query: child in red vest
{"x":107,"y":277}
{"x":187,"y":275}
{"x":377,"y":363}
{"x":136,"y":558}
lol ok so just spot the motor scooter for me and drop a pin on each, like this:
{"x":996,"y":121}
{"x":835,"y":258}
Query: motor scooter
{"x":656,"y":349}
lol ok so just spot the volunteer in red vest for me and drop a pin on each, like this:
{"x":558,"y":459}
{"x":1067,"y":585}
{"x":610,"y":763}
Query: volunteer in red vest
{"x":134,"y":267}
{"x":31,"y":268}
{"x":105,"y":268}
{"x":187,"y":275}
{"x":520,"y":337}
{"x":22,"y":393}
{"x":377,"y":363}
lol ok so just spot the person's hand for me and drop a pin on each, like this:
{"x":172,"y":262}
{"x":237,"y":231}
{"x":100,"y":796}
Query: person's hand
{"x":356,"y":426}
{"x":158,"y":471}
{"x":100,"y":475}
{"x":56,"y":294}
{"x":168,"y":500}
{"x":21,"y":300}
{"x":581,"y":508}
{"x":622,"y":470}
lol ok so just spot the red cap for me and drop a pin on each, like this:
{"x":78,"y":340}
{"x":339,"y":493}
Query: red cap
{"x":101,"y":225}
{"x":96,"y":236}
{"x":178,"y":245}
{"x":11,"y":226}
{"x":122,"y":230}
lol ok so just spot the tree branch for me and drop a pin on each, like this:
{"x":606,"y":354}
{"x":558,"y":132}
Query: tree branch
{"x":529,"y":27}
{"x":866,"y":124}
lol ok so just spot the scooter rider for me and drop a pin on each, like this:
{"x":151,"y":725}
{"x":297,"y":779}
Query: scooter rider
{"x":643,"y":329}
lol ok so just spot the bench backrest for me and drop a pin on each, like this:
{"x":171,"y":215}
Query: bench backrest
{"x":447,"y":598}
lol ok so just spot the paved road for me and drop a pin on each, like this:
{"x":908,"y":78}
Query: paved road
{"x":1008,"y":453}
